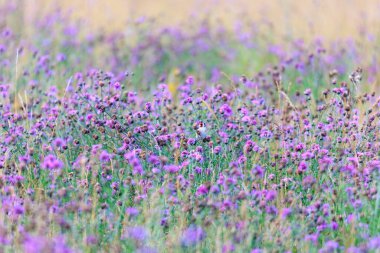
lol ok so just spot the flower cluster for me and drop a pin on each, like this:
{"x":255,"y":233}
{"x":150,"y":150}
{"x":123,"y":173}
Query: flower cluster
{"x":191,"y":159}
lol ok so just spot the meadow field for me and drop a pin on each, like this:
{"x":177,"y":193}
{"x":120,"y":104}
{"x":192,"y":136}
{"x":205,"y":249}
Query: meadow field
{"x":189,"y":126}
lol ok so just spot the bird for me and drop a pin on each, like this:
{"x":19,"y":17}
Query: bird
{"x":200,"y":129}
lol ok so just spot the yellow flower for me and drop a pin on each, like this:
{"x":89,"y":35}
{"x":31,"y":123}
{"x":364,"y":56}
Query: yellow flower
{"x":174,"y":81}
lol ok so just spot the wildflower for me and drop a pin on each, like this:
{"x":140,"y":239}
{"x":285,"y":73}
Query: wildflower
{"x":313,"y":238}
{"x":191,"y":141}
{"x":198,"y":170}
{"x":190,"y":80}
{"x":59,"y":143}
{"x":225,"y":110}
{"x":374,"y":243}
{"x":172,"y":169}
{"x":136,"y":233}
{"x":214,"y":189}
{"x":250,"y":146}
{"x":229,"y":247}
{"x":146,"y":249}
{"x":117,"y":85}
{"x":202,"y":190}
{"x":153,"y":159}
{"x":330,"y":246}
{"x":308,"y":181}
{"x":132,"y":211}
{"x":217,"y":149}
{"x":302,"y":167}
{"x":35,"y":244}
{"x":334,"y":225}
{"x":266,"y":134}
{"x":91,"y":240}
{"x":52,"y":163}
{"x":285,"y":213}
{"x":134,"y":161}
{"x":192,"y":236}
{"x":105,"y":156}
{"x":258,"y":171}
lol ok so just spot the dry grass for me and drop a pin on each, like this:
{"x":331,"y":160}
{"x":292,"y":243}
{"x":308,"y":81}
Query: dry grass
{"x":331,"y":19}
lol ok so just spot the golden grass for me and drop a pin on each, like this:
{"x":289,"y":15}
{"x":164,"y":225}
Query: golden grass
{"x":327,"y":18}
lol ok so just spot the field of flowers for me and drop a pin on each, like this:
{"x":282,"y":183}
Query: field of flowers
{"x":190,"y":138}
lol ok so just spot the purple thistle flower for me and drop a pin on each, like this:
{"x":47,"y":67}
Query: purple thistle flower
{"x":153,"y":159}
{"x":172,"y":169}
{"x":198,"y":170}
{"x":105,"y":156}
{"x":302,"y":167}
{"x":52,"y":163}
{"x":191,"y":141}
{"x":266,"y":134}
{"x":117,"y":85}
{"x":270,"y":195}
{"x":190,"y":80}
{"x":229,"y":247}
{"x":192,"y":236}
{"x":146,"y":249}
{"x":258,"y":171}
{"x":59,"y":143}
{"x":308,"y":181}
{"x":225,"y":110}
{"x":132,"y":211}
{"x":285,"y":213}
{"x":37,"y":244}
{"x":329,"y":247}
{"x":217,"y":150}
{"x":202,"y":190}
{"x":134,"y":161}
{"x":313,"y":238}
{"x":34,"y":244}
{"x":374,"y":243}
{"x":91,"y":240}
{"x":136,"y":233}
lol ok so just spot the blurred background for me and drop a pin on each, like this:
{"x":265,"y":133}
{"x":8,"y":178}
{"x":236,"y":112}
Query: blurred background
{"x":165,"y":40}
{"x":309,"y":18}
